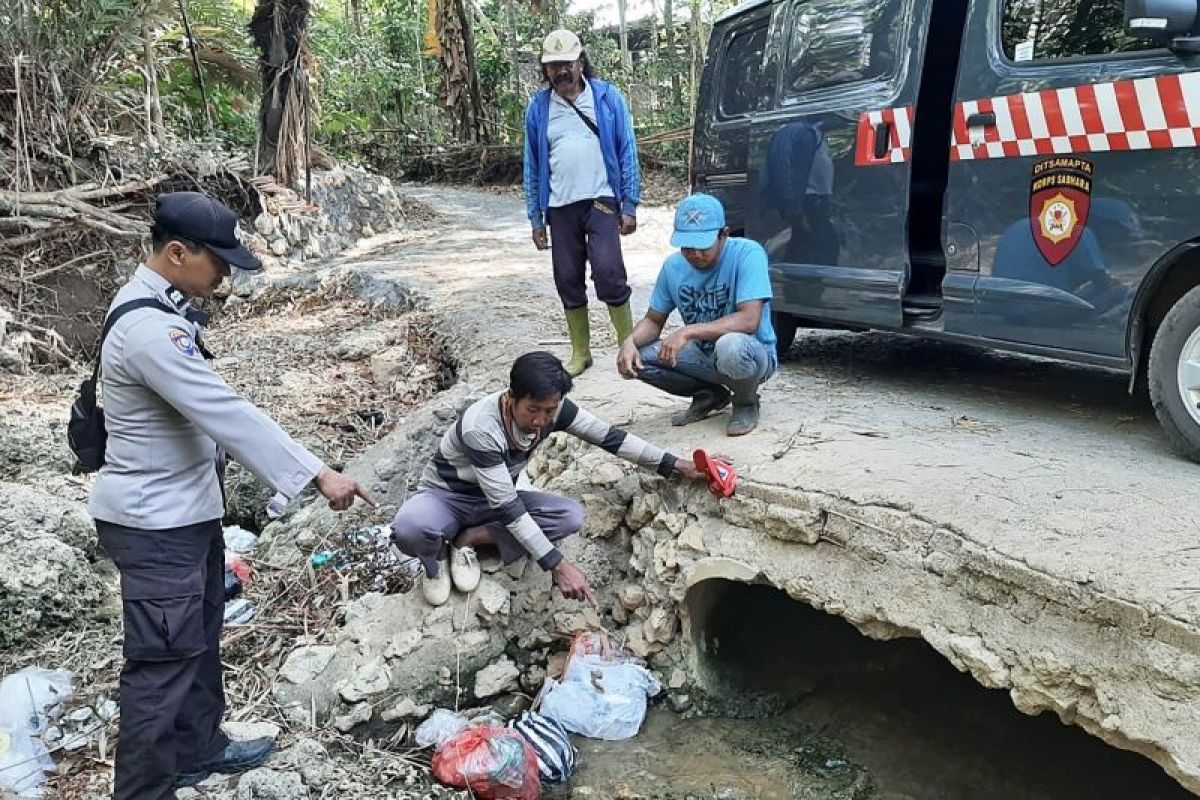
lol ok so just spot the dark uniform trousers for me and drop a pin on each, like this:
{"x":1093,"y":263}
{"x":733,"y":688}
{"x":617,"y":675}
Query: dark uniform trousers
{"x":172,"y":698}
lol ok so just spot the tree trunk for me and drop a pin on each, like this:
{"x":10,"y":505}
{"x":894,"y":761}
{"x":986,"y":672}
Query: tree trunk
{"x":672,"y":56}
{"x":514,"y":55}
{"x":279,"y":29}
{"x":626,"y":59}
{"x":187,"y":29}
{"x":153,"y":104}
{"x":460,"y":78}
{"x":356,"y":15}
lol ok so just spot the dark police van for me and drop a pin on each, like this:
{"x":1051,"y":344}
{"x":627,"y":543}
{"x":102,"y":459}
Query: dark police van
{"x":1018,"y":174}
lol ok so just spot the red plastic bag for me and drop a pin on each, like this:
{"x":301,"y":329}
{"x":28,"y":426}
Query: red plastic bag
{"x":491,"y":762}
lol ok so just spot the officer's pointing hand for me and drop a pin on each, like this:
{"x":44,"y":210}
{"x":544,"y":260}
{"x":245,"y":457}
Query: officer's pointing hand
{"x":340,"y":491}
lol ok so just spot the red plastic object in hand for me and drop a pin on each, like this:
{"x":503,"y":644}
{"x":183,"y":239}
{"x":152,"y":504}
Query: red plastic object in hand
{"x":722,"y":480}
{"x":240,"y":568}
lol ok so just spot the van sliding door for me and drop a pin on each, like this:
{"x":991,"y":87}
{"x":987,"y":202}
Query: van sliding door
{"x":829,"y":161}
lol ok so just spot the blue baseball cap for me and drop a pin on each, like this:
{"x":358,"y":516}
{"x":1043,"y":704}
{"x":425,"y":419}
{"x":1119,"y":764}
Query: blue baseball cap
{"x":698,"y":221}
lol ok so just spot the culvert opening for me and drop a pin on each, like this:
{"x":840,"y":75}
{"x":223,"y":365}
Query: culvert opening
{"x":897,"y":712}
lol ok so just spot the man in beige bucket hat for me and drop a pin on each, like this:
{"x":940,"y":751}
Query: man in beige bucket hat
{"x":583,"y":182}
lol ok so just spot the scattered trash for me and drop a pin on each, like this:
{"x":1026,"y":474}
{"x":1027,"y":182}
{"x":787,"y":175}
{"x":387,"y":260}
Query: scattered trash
{"x":27,"y":699}
{"x":603,"y":692}
{"x":551,"y":744}
{"x":371,"y":561}
{"x":239,"y":540}
{"x":239,"y":567}
{"x":239,"y":612}
{"x":442,"y":726}
{"x":490,"y":762}
{"x":233,"y":586}
{"x":277,"y":505}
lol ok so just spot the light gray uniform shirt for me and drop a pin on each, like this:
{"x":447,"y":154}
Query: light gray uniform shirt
{"x":169,"y":417}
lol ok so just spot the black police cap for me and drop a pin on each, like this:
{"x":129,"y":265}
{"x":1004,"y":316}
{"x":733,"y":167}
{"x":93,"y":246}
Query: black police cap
{"x":208,"y":222}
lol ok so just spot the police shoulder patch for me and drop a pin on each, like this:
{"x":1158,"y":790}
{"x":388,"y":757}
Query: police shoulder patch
{"x":184,"y":342}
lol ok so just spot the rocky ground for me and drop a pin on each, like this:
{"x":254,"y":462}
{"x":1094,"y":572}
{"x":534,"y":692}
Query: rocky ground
{"x":982,"y":503}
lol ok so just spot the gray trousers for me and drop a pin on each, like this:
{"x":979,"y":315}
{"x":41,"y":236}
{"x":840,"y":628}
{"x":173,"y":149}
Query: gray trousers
{"x":738,"y":362}
{"x":433,"y":517}
{"x":172,"y":698}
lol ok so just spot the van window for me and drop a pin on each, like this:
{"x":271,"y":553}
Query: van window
{"x":835,"y":42}
{"x":1066,"y":29}
{"x":742,"y":86}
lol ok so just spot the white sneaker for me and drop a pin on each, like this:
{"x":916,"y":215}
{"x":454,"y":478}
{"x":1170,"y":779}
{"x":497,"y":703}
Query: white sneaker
{"x":437,"y":590}
{"x":464,"y":569}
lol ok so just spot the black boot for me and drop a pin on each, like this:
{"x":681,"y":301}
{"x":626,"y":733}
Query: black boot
{"x":236,"y":757}
{"x":704,"y":402}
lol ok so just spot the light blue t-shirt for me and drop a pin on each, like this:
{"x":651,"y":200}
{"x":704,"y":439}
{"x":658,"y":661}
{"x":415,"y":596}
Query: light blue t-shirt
{"x":706,"y":295}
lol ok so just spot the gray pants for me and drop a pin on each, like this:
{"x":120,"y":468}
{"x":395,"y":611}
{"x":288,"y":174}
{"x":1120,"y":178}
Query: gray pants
{"x":738,"y":362}
{"x":433,"y":517}
{"x":172,"y":700}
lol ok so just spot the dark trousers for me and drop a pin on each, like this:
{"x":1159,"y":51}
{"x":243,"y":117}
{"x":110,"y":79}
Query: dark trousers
{"x":582,"y":233}
{"x":172,"y":699}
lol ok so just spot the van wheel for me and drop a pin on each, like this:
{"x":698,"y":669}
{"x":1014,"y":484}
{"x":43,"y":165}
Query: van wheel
{"x":785,"y":332}
{"x":1174,"y":374}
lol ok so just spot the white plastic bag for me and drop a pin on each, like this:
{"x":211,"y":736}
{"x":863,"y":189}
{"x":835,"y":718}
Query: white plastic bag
{"x":442,"y":726}
{"x":26,"y":697}
{"x":239,"y":540}
{"x":600,"y":699}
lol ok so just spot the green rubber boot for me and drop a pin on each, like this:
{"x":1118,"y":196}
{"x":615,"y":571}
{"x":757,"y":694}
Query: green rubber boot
{"x":622,"y":322}
{"x":581,"y":340}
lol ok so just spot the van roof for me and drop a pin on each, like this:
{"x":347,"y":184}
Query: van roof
{"x":742,"y":7}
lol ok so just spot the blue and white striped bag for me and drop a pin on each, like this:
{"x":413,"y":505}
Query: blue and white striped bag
{"x":551,"y":743}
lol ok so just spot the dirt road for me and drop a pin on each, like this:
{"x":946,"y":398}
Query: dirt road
{"x":1047,"y":497}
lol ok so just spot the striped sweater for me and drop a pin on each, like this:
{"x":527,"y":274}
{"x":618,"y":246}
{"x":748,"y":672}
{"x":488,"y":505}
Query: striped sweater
{"x":477,"y":456}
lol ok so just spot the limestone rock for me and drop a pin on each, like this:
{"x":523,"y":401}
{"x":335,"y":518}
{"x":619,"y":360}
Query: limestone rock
{"x":371,"y":679}
{"x":498,"y":678}
{"x":358,"y":715}
{"x":311,"y":759}
{"x":269,"y":784}
{"x":306,"y":663}
{"x":362,"y":343}
{"x":602,"y":517}
{"x":493,"y":600}
{"x":660,"y":625}
{"x":46,"y":575}
{"x":643,"y":509}
{"x":245,"y":731}
{"x":403,"y":643}
{"x":279,"y":246}
{"x":632,"y":596}
{"x":606,"y":474}
{"x":405,"y":709}
{"x":678,"y":679}
{"x":692,"y":538}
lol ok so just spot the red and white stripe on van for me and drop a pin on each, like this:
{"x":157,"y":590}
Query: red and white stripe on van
{"x":1158,"y":113}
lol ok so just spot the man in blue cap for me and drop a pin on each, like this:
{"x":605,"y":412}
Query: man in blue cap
{"x":158,"y":501}
{"x":726,"y":347}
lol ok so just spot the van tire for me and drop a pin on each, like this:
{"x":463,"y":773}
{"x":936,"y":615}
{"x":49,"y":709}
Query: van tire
{"x":1181,"y":325}
{"x":785,"y":332}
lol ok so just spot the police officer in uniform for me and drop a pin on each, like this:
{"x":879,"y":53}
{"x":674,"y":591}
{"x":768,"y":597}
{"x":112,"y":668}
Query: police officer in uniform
{"x":159,"y":500}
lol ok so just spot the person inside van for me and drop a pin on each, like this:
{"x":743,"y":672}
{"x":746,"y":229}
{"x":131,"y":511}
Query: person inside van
{"x":726,"y":347}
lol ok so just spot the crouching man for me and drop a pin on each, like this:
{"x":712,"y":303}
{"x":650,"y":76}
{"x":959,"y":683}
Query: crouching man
{"x":726,"y":347}
{"x":468,"y":496}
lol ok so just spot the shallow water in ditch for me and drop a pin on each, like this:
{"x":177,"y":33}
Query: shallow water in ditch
{"x":828,"y":714}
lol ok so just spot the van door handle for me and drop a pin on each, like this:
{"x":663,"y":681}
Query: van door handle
{"x":883,"y":139}
{"x":982,"y":120}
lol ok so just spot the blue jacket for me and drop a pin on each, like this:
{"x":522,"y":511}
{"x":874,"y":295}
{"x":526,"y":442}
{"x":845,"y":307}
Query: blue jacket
{"x":617,"y":143}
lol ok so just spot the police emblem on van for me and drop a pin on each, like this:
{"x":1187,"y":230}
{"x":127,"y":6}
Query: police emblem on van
{"x":1060,"y":198}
